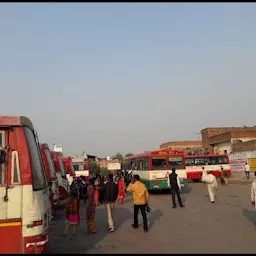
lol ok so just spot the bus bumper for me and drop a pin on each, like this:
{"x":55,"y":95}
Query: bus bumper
{"x":36,"y":244}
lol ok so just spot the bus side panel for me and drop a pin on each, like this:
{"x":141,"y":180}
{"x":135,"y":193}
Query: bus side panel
{"x":36,"y":207}
{"x":11,"y":236}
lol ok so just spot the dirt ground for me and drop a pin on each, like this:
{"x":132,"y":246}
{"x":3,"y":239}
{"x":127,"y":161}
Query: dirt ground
{"x":227,"y":226}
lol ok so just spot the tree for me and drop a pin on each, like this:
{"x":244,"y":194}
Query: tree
{"x":129,"y":154}
{"x":118,"y":156}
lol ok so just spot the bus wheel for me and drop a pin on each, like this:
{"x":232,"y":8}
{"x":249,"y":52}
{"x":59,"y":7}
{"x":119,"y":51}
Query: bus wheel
{"x":196,"y":180}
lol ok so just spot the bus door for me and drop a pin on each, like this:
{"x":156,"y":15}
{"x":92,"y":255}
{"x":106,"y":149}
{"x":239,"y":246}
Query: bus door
{"x":10,"y":198}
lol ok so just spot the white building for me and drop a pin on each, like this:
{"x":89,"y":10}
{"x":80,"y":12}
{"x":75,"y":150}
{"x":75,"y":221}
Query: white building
{"x":57,"y":149}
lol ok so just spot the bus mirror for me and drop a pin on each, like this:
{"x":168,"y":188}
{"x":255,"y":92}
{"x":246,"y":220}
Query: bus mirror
{"x":2,"y":156}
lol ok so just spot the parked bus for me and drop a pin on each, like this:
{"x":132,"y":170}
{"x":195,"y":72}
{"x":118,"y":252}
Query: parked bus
{"x":154,"y":167}
{"x":50,"y":171}
{"x":61,"y":175}
{"x":68,"y":165}
{"x":194,"y":164}
{"x":25,"y":211}
{"x":81,"y":167}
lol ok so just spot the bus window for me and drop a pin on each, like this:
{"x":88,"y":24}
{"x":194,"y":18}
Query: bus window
{"x":201,"y":161}
{"x":75,"y":167}
{"x":2,"y":165}
{"x":145,"y":165}
{"x":62,"y":170}
{"x":159,"y":164}
{"x":176,"y":162}
{"x":15,"y":168}
{"x":38,"y":175}
{"x":50,"y":163}
{"x":190,"y":161}
{"x":141,"y":167}
{"x":221,"y":160}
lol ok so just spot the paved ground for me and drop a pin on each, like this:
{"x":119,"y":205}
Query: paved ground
{"x":228,"y":226}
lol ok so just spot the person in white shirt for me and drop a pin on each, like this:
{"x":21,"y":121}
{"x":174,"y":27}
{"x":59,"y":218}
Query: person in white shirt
{"x":253,"y":192}
{"x":211,"y":182}
{"x":247,"y":170}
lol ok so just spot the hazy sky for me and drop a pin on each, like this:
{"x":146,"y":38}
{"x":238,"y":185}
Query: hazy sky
{"x":110,"y":77}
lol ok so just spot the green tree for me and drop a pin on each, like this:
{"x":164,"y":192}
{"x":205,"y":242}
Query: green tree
{"x":118,"y":156}
{"x":93,"y":167}
{"x":129,"y":154}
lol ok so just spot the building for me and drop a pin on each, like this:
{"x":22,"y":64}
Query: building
{"x":228,"y":139}
{"x":189,"y":147}
{"x":57,"y":149}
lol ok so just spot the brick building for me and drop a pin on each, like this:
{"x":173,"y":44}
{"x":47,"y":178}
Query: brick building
{"x":228,"y":139}
{"x":189,"y":147}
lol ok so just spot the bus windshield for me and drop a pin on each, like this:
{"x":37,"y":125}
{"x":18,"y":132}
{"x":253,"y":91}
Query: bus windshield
{"x":39,"y":180}
{"x":72,"y":168}
{"x":176,"y":162}
{"x":50,"y":164}
{"x":159,"y":163}
{"x":62,"y":170}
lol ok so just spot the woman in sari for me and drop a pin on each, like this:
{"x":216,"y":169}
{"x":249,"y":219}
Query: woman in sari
{"x":120,"y":185}
{"x":97,"y":189}
{"x":72,"y":211}
{"x":90,"y":209}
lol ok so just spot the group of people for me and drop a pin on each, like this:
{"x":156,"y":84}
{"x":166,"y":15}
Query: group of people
{"x":107,"y":191}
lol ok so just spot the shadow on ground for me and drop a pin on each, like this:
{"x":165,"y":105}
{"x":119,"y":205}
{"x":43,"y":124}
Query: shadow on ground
{"x":82,"y":241}
{"x":250,"y":215}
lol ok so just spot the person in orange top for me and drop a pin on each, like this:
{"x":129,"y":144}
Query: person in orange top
{"x":120,"y":185}
{"x":97,"y":188}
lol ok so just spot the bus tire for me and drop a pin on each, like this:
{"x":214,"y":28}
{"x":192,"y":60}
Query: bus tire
{"x":196,"y":180}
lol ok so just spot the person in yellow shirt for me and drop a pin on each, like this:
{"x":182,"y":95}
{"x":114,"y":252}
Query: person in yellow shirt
{"x":140,"y":201}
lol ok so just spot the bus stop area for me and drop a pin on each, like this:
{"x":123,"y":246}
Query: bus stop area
{"x":227,"y":226}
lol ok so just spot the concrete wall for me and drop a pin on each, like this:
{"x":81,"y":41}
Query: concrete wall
{"x":238,"y":160}
{"x":223,"y":146}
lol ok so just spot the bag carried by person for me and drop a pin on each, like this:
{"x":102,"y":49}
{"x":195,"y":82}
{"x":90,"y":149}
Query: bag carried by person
{"x":148,"y":209}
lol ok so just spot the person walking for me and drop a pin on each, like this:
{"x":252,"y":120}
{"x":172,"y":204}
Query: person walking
{"x":247,"y":171}
{"x":223,"y":176}
{"x":110,"y":196}
{"x":140,"y":201}
{"x":90,"y":209}
{"x":211,"y":182}
{"x":253,"y":192}
{"x":120,"y":185}
{"x":174,"y":181}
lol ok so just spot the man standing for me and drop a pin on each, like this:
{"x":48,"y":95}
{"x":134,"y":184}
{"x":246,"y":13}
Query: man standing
{"x":175,"y":187}
{"x":223,"y":176}
{"x":110,"y":196}
{"x":253,"y":192}
{"x":247,"y":170}
{"x":140,"y":201}
{"x":211,"y":182}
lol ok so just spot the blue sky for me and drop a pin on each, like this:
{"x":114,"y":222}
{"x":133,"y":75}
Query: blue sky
{"x":126,"y":77}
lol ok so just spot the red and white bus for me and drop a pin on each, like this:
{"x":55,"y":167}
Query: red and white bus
{"x":154,"y":167}
{"x":50,"y":171}
{"x":194,"y":164}
{"x":70,"y":171}
{"x":61,"y":175}
{"x":81,"y":167}
{"x":25,"y":211}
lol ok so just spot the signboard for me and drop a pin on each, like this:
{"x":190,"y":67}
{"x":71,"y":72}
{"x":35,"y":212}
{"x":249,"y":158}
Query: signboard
{"x":114,"y":166}
{"x":252,"y":163}
{"x":238,"y":165}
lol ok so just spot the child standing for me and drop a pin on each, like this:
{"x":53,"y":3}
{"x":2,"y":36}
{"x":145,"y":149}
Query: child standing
{"x":72,"y":211}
